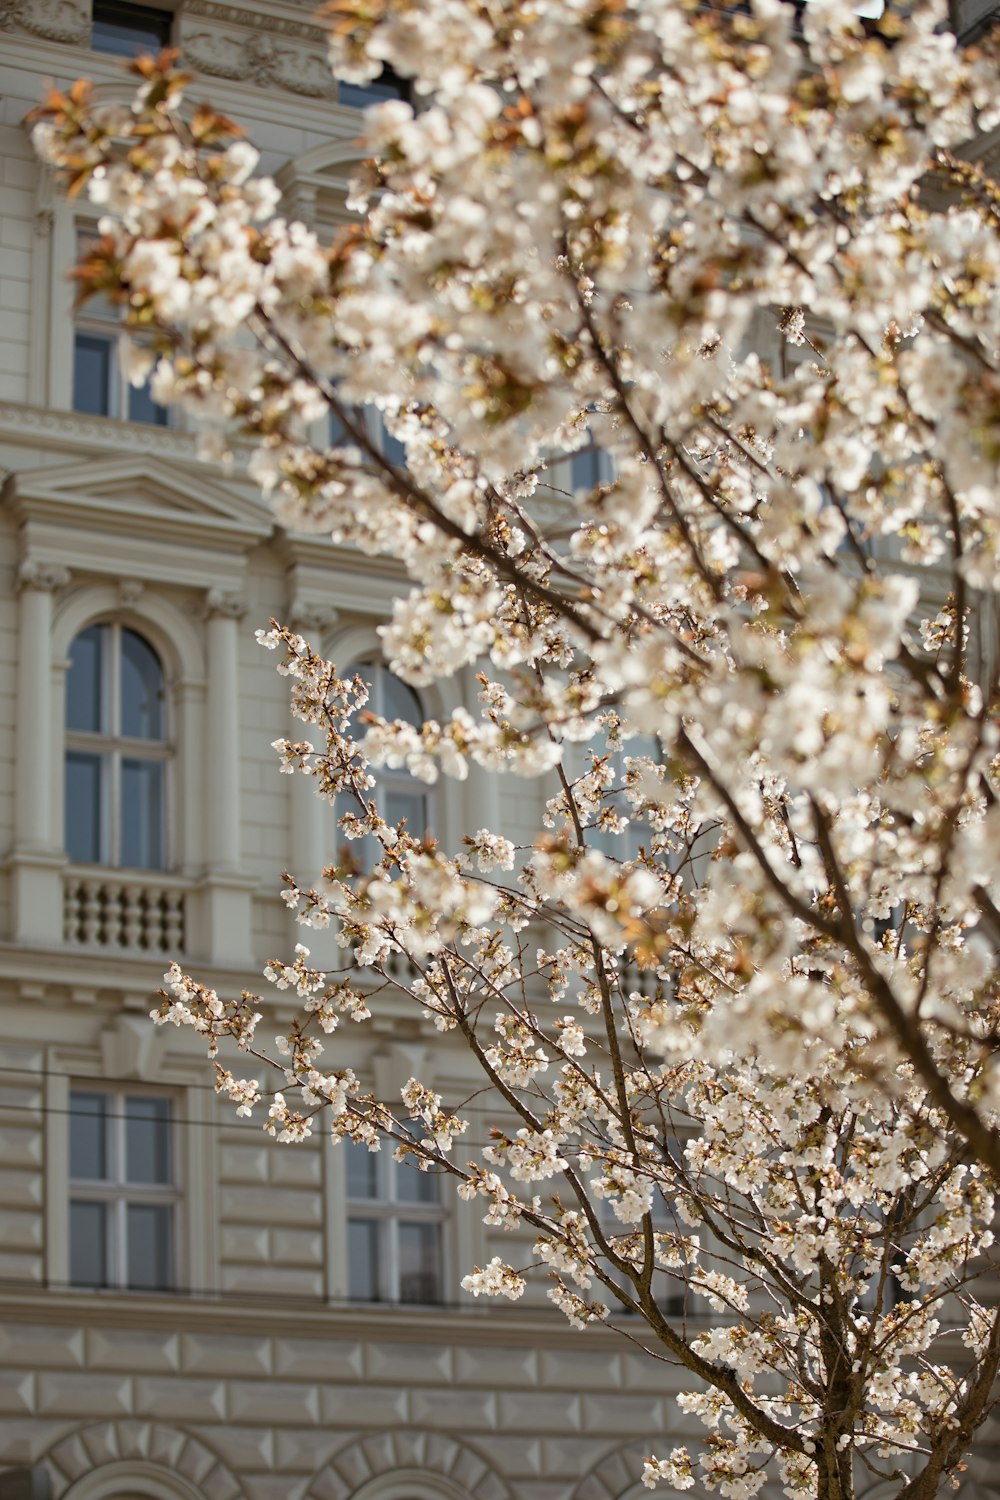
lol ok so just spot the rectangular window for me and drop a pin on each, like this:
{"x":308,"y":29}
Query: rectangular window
{"x":100,"y":388}
{"x":395,"y":1229}
{"x":93,"y":363}
{"x":126,"y":30}
{"x":123,"y":1192}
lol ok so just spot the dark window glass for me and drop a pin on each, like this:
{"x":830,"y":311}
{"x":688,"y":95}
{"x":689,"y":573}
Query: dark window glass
{"x":362,"y":1171}
{"x":142,"y":407}
{"x":142,"y":689}
{"x":88,"y":1137}
{"x":83,"y":808}
{"x":415,"y":1187}
{"x":409,"y":805}
{"x":88,"y":1244}
{"x":93,"y":355}
{"x":585,"y":469}
{"x":148,"y":1236}
{"x":388,"y":85}
{"x":337,"y":432}
{"x":419,"y":1262}
{"x":84,"y":709}
{"x":392,"y":448}
{"x":147,"y":1139}
{"x":400,"y":701}
{"x":362,"y":1259}
{"x":127,"y":30}
{"x":142,"y":814}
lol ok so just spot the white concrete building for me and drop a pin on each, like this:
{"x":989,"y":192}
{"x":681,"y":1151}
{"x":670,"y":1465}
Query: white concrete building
{"x":187,"y":1310}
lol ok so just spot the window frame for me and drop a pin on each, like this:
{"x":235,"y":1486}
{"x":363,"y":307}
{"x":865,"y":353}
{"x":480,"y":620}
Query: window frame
{"x":116,"y":1193}
{"x":140,"y":13}
{"x":98,"y":320}
{"x":389,"y":779}
{"x":113,"y":748}
{"x":387,"y":1211}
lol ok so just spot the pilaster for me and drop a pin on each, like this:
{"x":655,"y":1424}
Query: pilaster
{"x":37,"y":859}
{"x":226,"y":896}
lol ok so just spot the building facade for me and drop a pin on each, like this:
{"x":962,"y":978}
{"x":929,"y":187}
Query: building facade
{"x":187,"y":1310}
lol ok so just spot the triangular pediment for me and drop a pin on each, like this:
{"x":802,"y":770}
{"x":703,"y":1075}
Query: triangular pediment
{"x":140,"y":493}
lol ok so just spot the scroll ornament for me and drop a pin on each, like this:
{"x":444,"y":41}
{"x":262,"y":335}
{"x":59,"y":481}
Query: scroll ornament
{"x":261,"y":60}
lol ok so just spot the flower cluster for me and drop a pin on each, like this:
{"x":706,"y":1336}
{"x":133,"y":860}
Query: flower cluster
{"x":742,"y":981}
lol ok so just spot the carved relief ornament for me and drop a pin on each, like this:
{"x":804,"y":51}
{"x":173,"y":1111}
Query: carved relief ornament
{"x":52,"y":20}
{"x":46,"y":577}
{"x":260,"y":60}
{"x":226,"y":603}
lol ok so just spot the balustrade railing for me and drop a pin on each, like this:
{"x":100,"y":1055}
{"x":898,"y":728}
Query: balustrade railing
{"x":127,"y":913}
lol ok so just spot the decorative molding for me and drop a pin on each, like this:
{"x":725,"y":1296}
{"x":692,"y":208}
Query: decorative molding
{"x":52,"y":20}
{"x":617,"y":1473}
{"x":130,"y":591}
{"x":32,"y":573}
{"x":258,"y":59}
{"x":75,"y":429}
{"x":235,"y":15}
{"x":305,"y":615}
{"x":44,"y":219}
{"x":225,"y":603}
{"x":413,"y":1456}
{"x":129,"y":1048}
{"x":87,"y":1449}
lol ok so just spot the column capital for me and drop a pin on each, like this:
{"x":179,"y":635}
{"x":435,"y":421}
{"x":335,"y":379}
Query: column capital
{"x":225,"y":603}
{"x":305,"y":615}
{"x":32,"y":573}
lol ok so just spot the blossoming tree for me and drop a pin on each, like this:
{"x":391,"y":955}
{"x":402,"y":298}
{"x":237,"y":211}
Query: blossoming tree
{"x":736,"y":1003}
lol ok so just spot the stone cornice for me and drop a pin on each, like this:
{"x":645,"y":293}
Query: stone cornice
{"x":457,"y":1325}
{"x":72,"y":432}
{"x":265,"y":19}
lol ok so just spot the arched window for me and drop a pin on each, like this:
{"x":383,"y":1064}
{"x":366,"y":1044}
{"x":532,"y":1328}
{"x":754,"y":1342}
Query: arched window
{"x":397,"y":794}
{"x":116,"y":750}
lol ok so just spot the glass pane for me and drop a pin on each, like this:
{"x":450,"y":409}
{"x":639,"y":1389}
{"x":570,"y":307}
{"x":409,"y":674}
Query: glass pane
{"x":88,"y":1137}
{"x":362,"y":1171}
{"x":148,"y":1232}
{"x":142,"y":689}
{"x":88,"y":1244}
{"x":388,"y":85}
{"x":415,"y":1187}
{"x":83,"y":808}
{"x":142,"y":407}
{"x":126,"y":30}
{"x":336,"y":432}
{"x":398,"y":700}
{"x":392,"y":448}
{"x":93,"y":359}
{"x":362,"y":1260}
{"x":84,"y":708}
{"x":142,"y":815}
{"x":409,"y":805}
{"x":585,"y":469}
{"x":419,"y":1263}
{"x":147,"y":1139}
